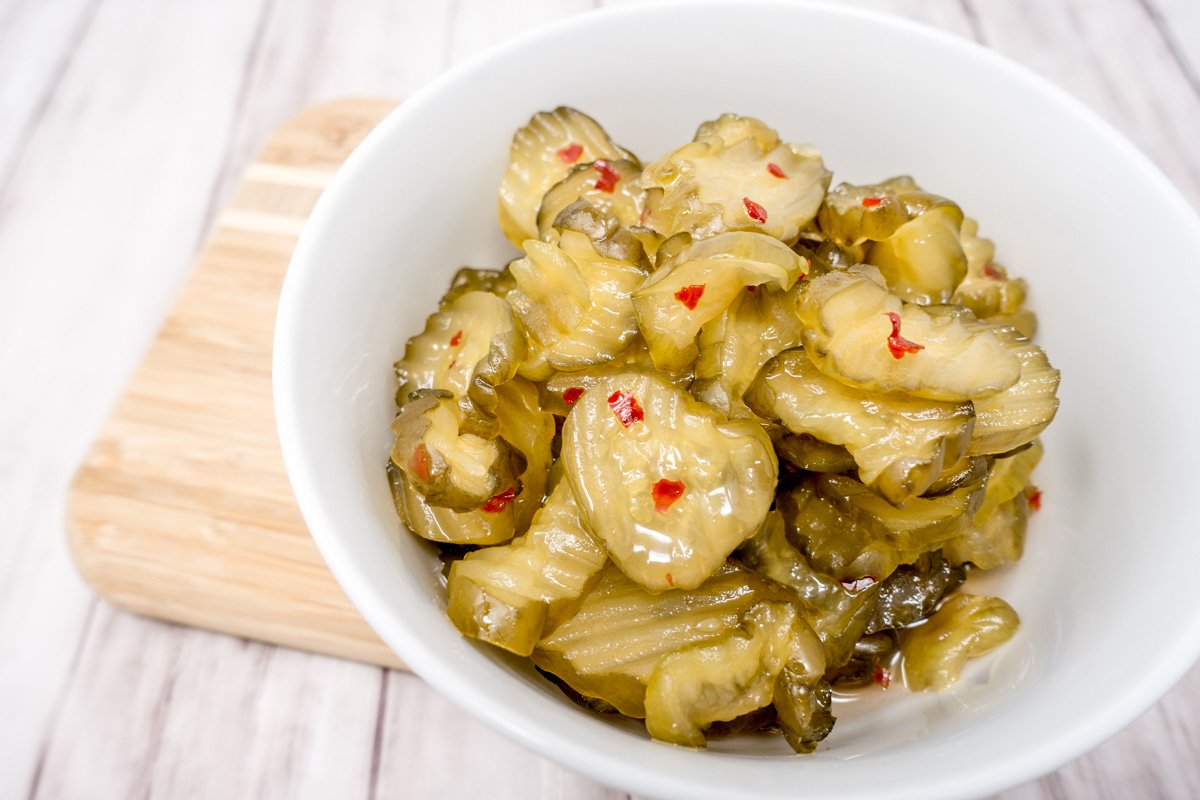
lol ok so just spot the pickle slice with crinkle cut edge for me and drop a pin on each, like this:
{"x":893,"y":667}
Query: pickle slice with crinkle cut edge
{"x":699,"y":283}
{"x":543,"y":153}
{"x":666,"y":482}
{"x":508,"y":595}
{"x":1017,"y":415}
{"x":965,"y":627}
{"x":899,"y":443}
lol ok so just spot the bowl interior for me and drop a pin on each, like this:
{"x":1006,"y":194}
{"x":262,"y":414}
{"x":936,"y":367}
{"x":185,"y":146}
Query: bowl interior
{"x":1108,"y":615}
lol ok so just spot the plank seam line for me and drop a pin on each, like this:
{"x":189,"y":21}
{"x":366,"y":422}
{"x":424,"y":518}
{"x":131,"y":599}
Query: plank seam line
{"x":35,"y":119}
{"x":377,"y":740}
{"x":1164,"y":32}
{"x":35,"y":781}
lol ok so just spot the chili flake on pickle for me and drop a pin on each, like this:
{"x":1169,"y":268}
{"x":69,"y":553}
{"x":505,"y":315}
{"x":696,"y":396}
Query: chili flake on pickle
{"x":626,"y":408}
{"x":897,"y":344}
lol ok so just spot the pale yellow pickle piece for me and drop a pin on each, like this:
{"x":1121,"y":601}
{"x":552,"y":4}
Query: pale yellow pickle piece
{"x":851,"y":320}
{"x":666,"y":482}
{"x":900,"y":444}
{"x":700,"y":281}
{"x":444,"y":525}
{"x":574,"y":304}
{"x":617,"y":193}
{"x":530,"y":430}
{"x":505,"y":595}
{"x":542,"y":154}
{"x":987,"y":289}
{"x":964,"y":627}
{"x":1017,"y":415}
{"x":609,"y":647}
{"x":736,"y":175}
{"x":696,"y":686}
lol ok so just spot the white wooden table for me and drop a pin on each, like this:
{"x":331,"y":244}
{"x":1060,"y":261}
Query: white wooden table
{"x":123,"y":125}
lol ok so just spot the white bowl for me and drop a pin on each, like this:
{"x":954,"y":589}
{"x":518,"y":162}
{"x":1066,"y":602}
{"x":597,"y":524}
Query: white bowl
{"x":1106,"y":589}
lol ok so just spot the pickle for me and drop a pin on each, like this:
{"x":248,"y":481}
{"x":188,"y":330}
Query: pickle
{"x":866,"y":337}
{"x":719,"y":681}
{"x":966,"y":626}
{"x":562,"y":389}
{"x":468,"y":279}
{"x":444,"y":525}
{"x":574,"y":304}
{"x":1008,"y":477}
{"x":913,"y":591}
{"x":808,"y":453}
{"x":732,"y":348}
{"x":624,"y":202}
{"x":849,"y":222}
{"x":1017,"y":415}
{"x":666,"y":482}
{"x":531,"y":431}
{"x":543,"y":152}
{"x":700,"y":282}
{"x":838,"y":615}
{"x":872,"y":654}
{"x":450,"y":467}
{"x":994,"y":541}
{"x":735,"y":175}
{"x":804,"y":708}
{"x":505,"y":595}
{"x":900,"y":444}
{"x":468,"y":348}
{"x":923,"y":261}
{"x":609,"y":648}
{"x":987,"y":289}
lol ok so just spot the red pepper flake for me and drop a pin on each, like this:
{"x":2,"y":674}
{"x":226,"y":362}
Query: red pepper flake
{"x":856,"y":585}
{"x":881,"y":676}
{"x":572,"y":394}
{"x":871,"y":202}
{"x":419,"y":463}
{"x":774,"y":169}
{"x":1035,"y":499}
{"x":670,"y":580}
{"x":752,"y":289}
{"x":992,"y":272}
{"x":571,"y":153}
{"x":499,"y":502}
{"x":897,"y":344}
{"x":754,"y":210}
{"x":690,"y":295}
{"x":456,"y":339}
{"x":608,"y":176}
{"x":453,"y":361}
{"x":626,"y":408}
{"x":665,"y":493}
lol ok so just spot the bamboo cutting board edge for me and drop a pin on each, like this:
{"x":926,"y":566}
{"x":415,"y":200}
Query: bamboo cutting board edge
{"x":181,"y":509}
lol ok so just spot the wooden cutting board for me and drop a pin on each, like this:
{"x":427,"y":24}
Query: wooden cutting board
{"x":182,"y":509}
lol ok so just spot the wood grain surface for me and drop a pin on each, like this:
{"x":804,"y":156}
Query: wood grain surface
{"x":124,"y":128}
{"x":182,"y":509}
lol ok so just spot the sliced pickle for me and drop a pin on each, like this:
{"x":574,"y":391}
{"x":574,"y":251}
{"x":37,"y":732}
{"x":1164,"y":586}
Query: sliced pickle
{"x":964,"y":472}
{"x":913,"y":591}
{"x":666,"y":482}
{"x":736,"y":175}
{"x":848,"y":221}
{"x":923,"y":261}
{"x":997,"y":540}
{"x":621,"y":196}
{"x":505,"y":595}
{"x":811,"y":454}
{"x":872,"y":655}
{"x":849,"y":532}
{"x":609,"y":236}
{"x":450,"y":467}
{"x":700,"y":282}
{"x":966,"y":626}
{"x":468,"y":279}
{"x":759,"y":324}
{"x":987,"y":289}
{"x":468,"y":348}
{"x":901,"y":444}
{"x":562,"y":389}
{"x":864,"y":336}
{"x":1017,"y":415}
{"x":838,"y":615}
{"x":1008,"y":478}
{"x":574,"y":304}
{"x":1024,"y":320}
{"x":444,"y":525}
{"x":719,"y":681}
{"x":804,"y":708}
{"x":609,"y":648}
{"x":531,"y":431}
{"x":543,"y":152}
